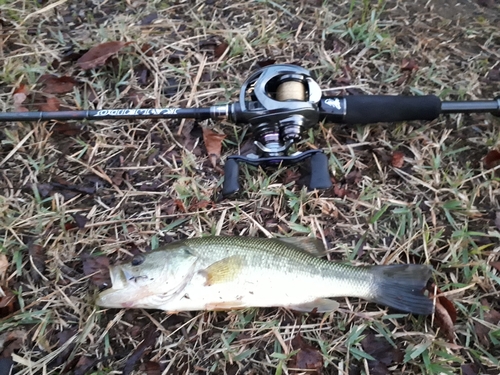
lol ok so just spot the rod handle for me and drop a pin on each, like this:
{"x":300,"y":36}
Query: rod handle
{"x":367,"y":109}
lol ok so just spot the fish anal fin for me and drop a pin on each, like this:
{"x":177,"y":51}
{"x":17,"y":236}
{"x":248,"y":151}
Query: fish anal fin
{"x":224,"y":305}
{"x":310,"y":245}
{"x":223,"y":271}
{"x":320,"y":305}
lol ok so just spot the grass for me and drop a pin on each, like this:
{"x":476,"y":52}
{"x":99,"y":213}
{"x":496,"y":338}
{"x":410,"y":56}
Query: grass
{"x":439,"y":208}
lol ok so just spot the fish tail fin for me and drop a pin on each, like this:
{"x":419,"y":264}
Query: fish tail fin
{"x":401,"y":286}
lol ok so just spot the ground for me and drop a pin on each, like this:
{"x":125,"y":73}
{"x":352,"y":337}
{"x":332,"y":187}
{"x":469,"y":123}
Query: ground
{"x":75,"y":195}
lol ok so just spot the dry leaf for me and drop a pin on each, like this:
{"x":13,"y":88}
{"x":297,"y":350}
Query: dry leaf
{"x":445,"y":313}
{"x":84,"y":364}
{"x":497,"y":220}
{"x":80,"y":220}
{"x":38,"y":257}
{"x":469,"y":369}
{"x":495,"y":265}
{"x":57,"y":85}
{"x":52,"y":105}
{"x":408,"y":65}
{"x":308,"y":358}
{"x":7,"y":302}
{"x":98,"y":267}
{"x":384,"y":353}
{"x":398,"y":159}
{"x":20,"y":95}
{"x":99,"y":55}
{"x":149,"y":340}
{"x":213,"y":144}
{"x":491,"y":316}
{"x":220,"y":49}
{"x":152,"y":368}
{"x":263,"y":63}
{"x":492,"y":159}
{"x":10,"y":341}
{"x":66,"y":128}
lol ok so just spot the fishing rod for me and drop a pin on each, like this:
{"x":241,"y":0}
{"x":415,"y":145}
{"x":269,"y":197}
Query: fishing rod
{"x":281,"y":102}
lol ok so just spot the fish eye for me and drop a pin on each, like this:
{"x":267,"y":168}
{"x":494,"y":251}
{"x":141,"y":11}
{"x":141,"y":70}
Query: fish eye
{"x":138,"y":260}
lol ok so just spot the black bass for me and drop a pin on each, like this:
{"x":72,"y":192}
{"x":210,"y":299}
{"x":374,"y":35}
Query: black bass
{"x":224,"y":273}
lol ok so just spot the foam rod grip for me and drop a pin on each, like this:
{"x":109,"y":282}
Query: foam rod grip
{"x":231,"y":175}
{"x":369,"y":109}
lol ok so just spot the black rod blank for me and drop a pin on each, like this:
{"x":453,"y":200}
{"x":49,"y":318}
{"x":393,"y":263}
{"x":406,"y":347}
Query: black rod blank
{"x":106,"y":114}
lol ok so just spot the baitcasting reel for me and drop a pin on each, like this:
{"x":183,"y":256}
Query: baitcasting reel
{"x":281,"y":102}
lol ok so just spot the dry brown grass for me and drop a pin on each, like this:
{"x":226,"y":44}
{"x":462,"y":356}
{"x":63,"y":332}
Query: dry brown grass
{"x":439,"y":208}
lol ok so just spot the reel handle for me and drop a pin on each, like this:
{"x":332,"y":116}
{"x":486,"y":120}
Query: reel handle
{"x":320,"y":174}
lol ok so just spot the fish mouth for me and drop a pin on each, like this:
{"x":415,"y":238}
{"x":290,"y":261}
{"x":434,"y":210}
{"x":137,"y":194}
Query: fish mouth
{"x":120,"y":293}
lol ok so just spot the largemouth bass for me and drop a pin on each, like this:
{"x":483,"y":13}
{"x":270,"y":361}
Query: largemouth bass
{"x":224,"y":273}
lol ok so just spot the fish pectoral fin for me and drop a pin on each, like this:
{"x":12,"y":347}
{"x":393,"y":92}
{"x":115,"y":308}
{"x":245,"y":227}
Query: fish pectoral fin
{"x":320,"y":305}
{"x":223,"y":271}
{"x":310,"y":245}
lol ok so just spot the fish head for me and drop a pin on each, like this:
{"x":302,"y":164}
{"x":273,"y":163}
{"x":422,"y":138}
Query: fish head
{"x":150,"y":279}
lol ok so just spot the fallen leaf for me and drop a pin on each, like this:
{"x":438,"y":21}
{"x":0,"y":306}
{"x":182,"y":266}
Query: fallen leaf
{"x":57,"y":85}
{"x":469,"y":369}
{"x":495,"y":265}
{"x":213,"y":144}
{"x":80,"y":220}
{"x":99,"y":55}
{"x":199,"y":205}
{"x":138,"y":353}
{"x":491,"y":159}
{"x":118,"y":178}
{"x":7,"y":302}
{"x":62,"y":339}
{"x":152,"y":368}
{"x":147,"y":20}
{"x":384,"y":353}
{"x":339,"y":191}
{"x":98,"y":267}
{"x":497,"y":220}
{"x":492,"y":317}
{"x":38,"y":257}
{"x":220,"y":49}
{"x":291,"y":175}
{"x":84,"y":365}
{"x":307,"y":358}
{"x":408,"y":65}
{"x":493,"y":75}
{"x":263,"y":63}
{"x":147,"y":49}
{"x":19,"y":96}
{"x":66,"y":128}
{"x":486,"y":3}
{"x":354,"y":177}
{"x":445,"y":314}
{"x":11,"y":341}
{"x":52,"y":105}
{"x":398,"y":159}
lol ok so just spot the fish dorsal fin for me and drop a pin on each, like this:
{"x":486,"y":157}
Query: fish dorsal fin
{"x":223,"y":271}
{"x":309,"y":245}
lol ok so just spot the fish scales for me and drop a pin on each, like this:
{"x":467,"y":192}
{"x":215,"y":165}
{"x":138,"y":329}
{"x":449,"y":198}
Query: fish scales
{"x":223,"y":273}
